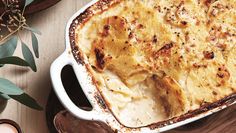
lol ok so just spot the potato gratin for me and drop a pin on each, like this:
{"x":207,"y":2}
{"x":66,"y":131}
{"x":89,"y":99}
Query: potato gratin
{"x":153,"y":60}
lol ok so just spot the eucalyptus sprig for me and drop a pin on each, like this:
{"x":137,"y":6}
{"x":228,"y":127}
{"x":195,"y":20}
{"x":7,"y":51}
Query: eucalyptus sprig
{"x":12,"y":21}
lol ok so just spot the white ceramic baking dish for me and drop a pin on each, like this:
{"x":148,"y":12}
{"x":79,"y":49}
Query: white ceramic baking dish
{"x":100,"y":111}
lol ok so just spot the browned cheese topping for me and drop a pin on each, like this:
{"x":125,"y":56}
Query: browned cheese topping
{"x":168,"y":56}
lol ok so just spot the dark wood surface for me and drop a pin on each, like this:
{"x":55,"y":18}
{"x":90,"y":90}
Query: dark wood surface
{"x":221,"y":122}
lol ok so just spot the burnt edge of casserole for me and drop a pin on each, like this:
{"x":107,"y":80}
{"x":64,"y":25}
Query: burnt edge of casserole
{"x":99,"y":7}
{"x":80,"y":20}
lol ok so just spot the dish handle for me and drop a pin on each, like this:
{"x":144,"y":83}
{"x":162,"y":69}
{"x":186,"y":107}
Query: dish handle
{"x":55,"y":72}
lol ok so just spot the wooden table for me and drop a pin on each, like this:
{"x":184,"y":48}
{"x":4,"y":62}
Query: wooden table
{"x":51,"y":23}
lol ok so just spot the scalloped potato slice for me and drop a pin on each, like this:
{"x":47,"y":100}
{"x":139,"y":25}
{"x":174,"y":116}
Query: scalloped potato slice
{"x":189,"y":45}
{"x":114,"y":84}
{"x":125,"y":66}
{"x":172,"y":95}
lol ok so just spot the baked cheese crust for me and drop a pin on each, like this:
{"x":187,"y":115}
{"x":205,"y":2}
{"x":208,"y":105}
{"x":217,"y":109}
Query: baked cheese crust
{"x":157,"y":59}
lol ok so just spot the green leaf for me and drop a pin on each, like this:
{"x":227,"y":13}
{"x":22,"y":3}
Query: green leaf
{"x":4,"y":96}
{"x":14,"y":60}
{"x":35,"y":44}
{"x":27,"y":100}
{"x":28,"y":56}
{"x":8,"y":48}
{"x":9,"y":88}
{"x":33,"y":30}
{"x":27,"y":2}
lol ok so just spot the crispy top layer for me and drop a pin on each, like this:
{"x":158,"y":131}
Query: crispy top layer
{"x":181,"y":50}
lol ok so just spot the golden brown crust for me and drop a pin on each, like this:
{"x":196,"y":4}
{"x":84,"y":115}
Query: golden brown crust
{"x":223,"y":73}
{"x":98,"y":7}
